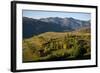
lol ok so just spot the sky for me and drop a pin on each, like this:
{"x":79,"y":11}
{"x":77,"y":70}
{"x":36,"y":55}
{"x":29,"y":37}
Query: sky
{"x":45,"y":14}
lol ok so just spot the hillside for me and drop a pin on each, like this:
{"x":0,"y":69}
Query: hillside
{"x":54,"y":46}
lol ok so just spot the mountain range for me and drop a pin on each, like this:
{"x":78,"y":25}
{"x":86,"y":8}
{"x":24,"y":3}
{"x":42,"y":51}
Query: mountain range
{"x":33,"y":26}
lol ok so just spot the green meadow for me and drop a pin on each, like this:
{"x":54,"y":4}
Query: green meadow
{"x":57,"y":46}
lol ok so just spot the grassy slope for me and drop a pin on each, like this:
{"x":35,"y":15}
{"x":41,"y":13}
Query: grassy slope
{"x":57,"y":46}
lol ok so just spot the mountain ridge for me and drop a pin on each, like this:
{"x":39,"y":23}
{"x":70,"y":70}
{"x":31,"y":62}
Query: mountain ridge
{"x":33,"y":26}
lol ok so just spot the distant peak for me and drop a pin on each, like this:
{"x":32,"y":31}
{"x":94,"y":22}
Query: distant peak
{"x":71,"y":18}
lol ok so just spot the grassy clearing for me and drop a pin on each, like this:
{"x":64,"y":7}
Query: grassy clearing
{"x":52,"y":46}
